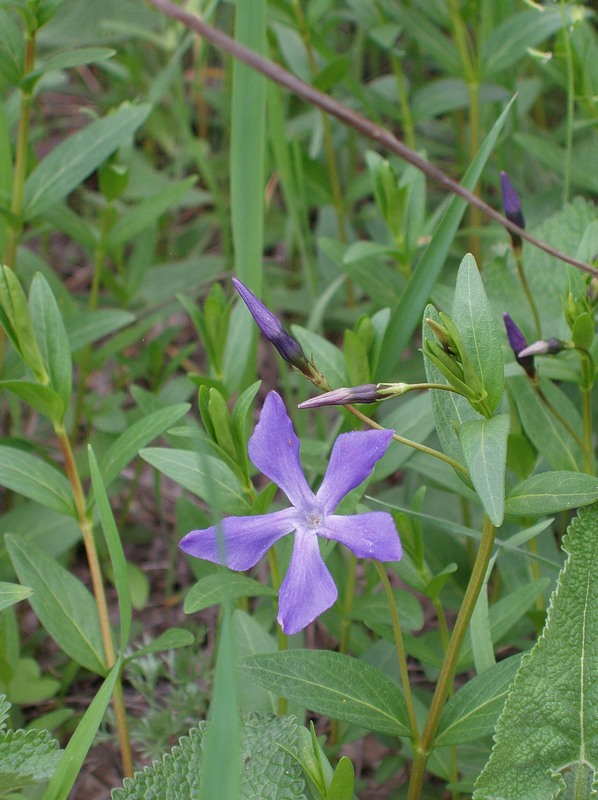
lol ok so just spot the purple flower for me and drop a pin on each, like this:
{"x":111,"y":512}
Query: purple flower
{"x":365,"y":393}
{"x":271,"y":327}
{"x":240,"y":542}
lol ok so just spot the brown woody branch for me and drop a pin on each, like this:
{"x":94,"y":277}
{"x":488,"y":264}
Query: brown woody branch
{"x":360,"y":123}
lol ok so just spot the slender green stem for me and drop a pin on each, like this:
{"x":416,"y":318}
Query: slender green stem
{"x":18,"y":182}
{"x":98,"y":591}
{"x":449,"y":665}
{"x":283,"y":640}
{"x":348,"y":603}
{"x":401,"y":655}
{"x":570,"y":105}
{"x":416,"y":445}
{"x":588,"y":451}
{"x":527,"y":291}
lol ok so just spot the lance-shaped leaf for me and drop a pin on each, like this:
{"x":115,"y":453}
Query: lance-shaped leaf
{"x":547,"y":737}
{"x":474,"y":319}
{"x":550,"y":492}
{"x":333,"y":684}
{"x":484,"y":444}
{"x":70,"y":162}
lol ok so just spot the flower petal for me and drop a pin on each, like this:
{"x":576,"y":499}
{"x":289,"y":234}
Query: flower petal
{"x":308,"y":589}
{"x":353,"y":458}
{"x":239,"y":542}
{"x":274,"y":449}
{"x":369,"y":535}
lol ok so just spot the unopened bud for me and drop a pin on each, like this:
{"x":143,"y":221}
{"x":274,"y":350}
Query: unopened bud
{"x":272,"y":328}
{"x":512,"y":207}
{"x":518,"y":344}
{"x":366,"y":393}
{"x":544,"y":347}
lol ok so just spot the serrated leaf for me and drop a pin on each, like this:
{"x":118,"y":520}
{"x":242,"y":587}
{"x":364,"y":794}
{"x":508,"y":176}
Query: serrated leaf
{"x":337,"y":685}
{"x":26,"y":758}
{"x":214,"y":589}
{"x":472,"y":314}
{"x":472,"y":712}
{"x":546,"y":740}
{"x":270,"y":768}
{"x":484,"y":444}
{"x":205,"y":476}
{"x":550,"y":492}
{"x":33,"y":478}
{"x":63,"y":605}
{"x":140,"y":433}
{"x":11,"y":593}
{"x":70,"y":162}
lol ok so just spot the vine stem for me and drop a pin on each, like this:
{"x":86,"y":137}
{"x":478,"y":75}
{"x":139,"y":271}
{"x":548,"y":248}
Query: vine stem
{"x":99,"y":594}
{"x":410,"y":443}
{"x":449,"y":664}
{"x":364,"y":126}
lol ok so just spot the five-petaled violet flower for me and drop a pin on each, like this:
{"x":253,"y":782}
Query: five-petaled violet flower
{"x":239,"y":542}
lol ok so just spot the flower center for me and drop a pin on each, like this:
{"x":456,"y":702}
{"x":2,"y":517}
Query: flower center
{"x":313,"y":518}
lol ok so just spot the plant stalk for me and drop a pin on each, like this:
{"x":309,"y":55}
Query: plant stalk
{"x":99,"y":594}
{"x":449,"y":665}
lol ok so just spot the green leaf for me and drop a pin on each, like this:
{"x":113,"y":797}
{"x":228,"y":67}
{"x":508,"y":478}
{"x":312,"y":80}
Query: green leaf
{"x":546,"y":432}
{"x":73,"y":58}
{"x":472,"y":712}
{"x":69,"y":766}
{"x":39,"y":397}
{"x":269,"y":765}
{"x":213,"y":589}
{"x":140,"y":433}
{"x":550,"y":492}
{"x":546,"y":736}
{"x":169,"y":640}
{"x":451,"y":410}
{"x":407,"y":314}
{"x":26,"y":758}
{"x":87,"y":327}
{"x":343,"y":781}
{"x":511,"y":40}
{"x":51,"y":337}
{"x":474,"y":319}
{"x":11,"y":593}
{"x":484,"y":445}
{"x":70,"y":162}
{"x":251,"y":638}
{"x":33,"y":478}
{"x":147,"y":212}
{"x":16,"y":321}
{"x":63,"y":605}
{"x":328,"y":358}
{"x":204,"y":475}
{"x":115,"y":548}
{"x":333,"y":684}
{"x":12,"y":49}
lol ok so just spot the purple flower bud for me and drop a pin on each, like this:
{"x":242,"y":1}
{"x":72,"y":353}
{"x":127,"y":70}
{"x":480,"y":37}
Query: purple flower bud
{"x":271,"y":327}
{"x":512,"y":207}
{"x":366,"y":393}
{"x":518,"y":344}
{"x":544,"y":347}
